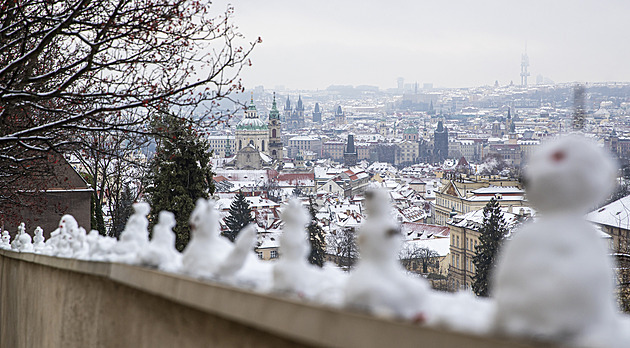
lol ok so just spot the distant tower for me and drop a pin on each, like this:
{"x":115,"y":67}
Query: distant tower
{"x":524,"y":65}
{"x":509,"y":123}
{"x":340,"y":117}
{"x":350,"y":155}
{"x":228,"y":148}
{"x":287,"y":111}
{"x":299,"y":121}
{"x":317,"y":114}
{"x":401,"y":84}
{"x":440,"y":142}
{"x":275,"y":127}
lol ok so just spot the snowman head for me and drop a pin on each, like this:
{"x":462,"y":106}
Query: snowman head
{"x":294,"y":215}
{"x":204,"y":219}
{"x":167,"y":219}
{"x":569,"y":174}
{"x":379,"y":236}
{"x":68,"y":224}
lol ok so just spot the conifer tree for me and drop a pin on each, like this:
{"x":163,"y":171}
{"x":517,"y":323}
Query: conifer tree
{"x":180,"y":173}
{"x":316,"y":238}
{"x":492,"y":233}
{"x":240,"y":215}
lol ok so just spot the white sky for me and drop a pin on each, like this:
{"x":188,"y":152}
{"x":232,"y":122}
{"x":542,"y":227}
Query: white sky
{"x":450,"y":43}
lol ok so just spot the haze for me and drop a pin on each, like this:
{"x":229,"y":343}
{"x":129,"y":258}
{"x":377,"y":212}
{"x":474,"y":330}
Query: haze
{"x":460,"y":43}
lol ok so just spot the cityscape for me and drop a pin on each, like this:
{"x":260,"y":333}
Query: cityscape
{"x":250,"y":174}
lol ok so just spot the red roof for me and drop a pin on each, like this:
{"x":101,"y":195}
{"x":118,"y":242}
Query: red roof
{"x":423,"y":230}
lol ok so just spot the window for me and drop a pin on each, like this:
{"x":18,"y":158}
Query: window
{"x":260,"y":255}
{"x":274,"y":254}
{"x":263,"y":146}
{"x":457,"y":242}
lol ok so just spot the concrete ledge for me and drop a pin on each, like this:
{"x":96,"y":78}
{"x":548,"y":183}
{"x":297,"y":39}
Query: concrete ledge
{"x":92,"y":299}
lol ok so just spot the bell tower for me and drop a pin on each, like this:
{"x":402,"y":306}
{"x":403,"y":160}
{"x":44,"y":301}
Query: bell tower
{"x":275,"y":136}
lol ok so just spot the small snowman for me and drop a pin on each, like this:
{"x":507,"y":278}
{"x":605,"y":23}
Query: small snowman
{"x":16,"y":244}
{"x":379,"y":284}
{"x":161,"y":252}
{"x":554,"y":279}
{"x":60,"y":241}
{"x":208,"y":254}
{"x":292,"y":272}
{"x":22,"y":241}
{"x":38,"y":240}
{"x":5,"y":243}
{"x":135,"y":236}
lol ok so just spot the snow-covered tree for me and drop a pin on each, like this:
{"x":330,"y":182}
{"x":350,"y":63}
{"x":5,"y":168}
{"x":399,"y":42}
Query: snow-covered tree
{"x":342,"y":245}
{"x":491,"y":235}
{"x":316,"y":238}
{"x":180,"y":173}
{"x":240,"y":215}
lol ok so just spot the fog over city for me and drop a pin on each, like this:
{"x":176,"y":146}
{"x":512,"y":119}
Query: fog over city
{"x":311,"y":45}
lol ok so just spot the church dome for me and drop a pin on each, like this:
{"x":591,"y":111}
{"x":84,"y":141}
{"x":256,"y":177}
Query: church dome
{"x":251,"y":124}
{"x":411,"y":130}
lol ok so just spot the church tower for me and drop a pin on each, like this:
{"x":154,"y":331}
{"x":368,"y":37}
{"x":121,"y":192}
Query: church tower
{"x":299,"y":120}
{"x":340,"y":117}
{"x":286,"y":116}
{"x":350,"y":155}
{"x":275,"y":127}
{"x":440,"y":142}
{"x":317,"y":114}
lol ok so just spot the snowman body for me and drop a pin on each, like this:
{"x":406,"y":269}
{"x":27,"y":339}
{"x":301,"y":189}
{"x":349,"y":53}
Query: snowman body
{"x":554,"y":278}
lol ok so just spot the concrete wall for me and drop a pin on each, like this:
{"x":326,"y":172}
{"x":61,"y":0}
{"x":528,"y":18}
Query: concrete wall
{"x":54,"y":302}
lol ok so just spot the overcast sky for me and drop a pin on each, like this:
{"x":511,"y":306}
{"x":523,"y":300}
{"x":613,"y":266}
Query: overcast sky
{"x":450,"y":43}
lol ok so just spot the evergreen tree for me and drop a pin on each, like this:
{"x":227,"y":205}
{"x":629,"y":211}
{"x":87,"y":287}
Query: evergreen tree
{"x":97,"y":222}
{"x":491,"y":236}
{"x":316,"y":238}
{"x":122,"y":211}
{"x":239,"y":217}
{"x":180,"y":173}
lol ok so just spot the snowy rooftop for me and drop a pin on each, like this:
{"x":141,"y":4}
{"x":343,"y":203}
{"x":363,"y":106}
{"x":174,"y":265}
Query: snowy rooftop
{"x":615,"y":214}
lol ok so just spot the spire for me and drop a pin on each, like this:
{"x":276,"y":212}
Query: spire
{"x":287,"y":105}
{"x":251,"y":105}
{"x":316,"y":107}
{"x":274,"y":113}
{"x":300,"y":106}
{"x":440,"y":126}
{"x":509,"y":116}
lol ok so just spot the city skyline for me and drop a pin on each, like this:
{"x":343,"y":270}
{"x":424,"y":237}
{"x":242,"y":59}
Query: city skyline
{"x":459,"y":44}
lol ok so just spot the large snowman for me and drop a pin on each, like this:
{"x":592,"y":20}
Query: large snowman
{"x":554,"y":280}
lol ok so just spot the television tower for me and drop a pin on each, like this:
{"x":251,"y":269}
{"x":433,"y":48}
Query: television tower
{"x":524,"y":65}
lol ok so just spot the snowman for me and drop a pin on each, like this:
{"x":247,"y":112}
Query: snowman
{"x":135,"y":236}
{"x":554,"y":279}
{"x":292,"y":272}
{"x":5,"y":243}
{"x":210,"y":255}
{"x":379,"y":284}
{"x":161,"y":252}
{"x":61,"y":239}
{"x":38,"y":239}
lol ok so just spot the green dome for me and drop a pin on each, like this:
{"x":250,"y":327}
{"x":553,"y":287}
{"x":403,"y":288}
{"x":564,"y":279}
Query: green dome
{"x":411,"y":130}
{"x":251,"y":124}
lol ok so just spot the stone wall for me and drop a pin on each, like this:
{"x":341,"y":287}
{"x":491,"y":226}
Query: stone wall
{"x":54,"y":302}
